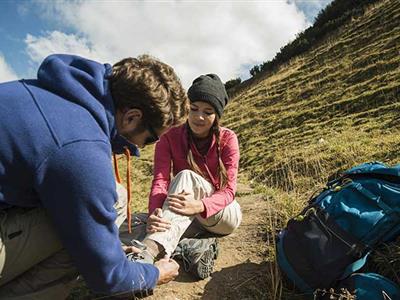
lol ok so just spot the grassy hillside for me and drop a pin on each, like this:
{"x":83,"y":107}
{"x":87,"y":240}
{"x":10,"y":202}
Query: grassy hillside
{"x":333,"y":107}
{"x":336,"y":106}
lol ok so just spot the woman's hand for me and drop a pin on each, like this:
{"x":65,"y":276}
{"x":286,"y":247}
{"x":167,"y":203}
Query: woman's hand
{"x":155,"y":222}
{"x":184,"y":204}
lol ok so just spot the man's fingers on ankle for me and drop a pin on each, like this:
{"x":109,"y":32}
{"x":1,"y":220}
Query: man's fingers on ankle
{"x":173,"y":261}
{"x":133,"y":249}
{"x":165,"y":259}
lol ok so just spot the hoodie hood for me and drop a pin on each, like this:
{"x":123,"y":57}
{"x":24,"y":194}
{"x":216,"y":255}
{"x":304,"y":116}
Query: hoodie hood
{"x":85,"y":82}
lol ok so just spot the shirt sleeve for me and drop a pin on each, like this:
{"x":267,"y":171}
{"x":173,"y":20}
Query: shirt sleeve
{"x":219,"y":199}
{"x":162,"y":174}
{"x":77,"y":188}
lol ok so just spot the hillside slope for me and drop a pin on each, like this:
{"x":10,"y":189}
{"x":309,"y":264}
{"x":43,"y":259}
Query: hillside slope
{"x":336,"y":106}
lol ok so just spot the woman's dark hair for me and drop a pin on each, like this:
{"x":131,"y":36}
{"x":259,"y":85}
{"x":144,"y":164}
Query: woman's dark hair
{"x":222,"y":174}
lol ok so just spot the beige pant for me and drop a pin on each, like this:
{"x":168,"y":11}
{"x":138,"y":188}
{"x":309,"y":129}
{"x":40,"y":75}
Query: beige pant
{"x":33,"y":263}
{"x":222,"y":223}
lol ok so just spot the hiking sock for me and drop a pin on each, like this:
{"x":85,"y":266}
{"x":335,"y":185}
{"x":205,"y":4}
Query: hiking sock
{"x":154,"y":248}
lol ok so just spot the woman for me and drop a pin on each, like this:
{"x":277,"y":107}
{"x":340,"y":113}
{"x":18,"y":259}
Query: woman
{"x":204,"y":158}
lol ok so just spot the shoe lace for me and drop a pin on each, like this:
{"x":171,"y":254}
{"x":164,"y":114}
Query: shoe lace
{"x":185,"y":257}
{"x":135,"y":256}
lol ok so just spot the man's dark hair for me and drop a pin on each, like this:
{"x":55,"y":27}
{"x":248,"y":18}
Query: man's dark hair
{"x":151,"y":86}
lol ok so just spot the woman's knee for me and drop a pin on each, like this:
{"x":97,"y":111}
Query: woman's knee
{"x":224,"y":228}
{"x":229,"y":221}
{"x":186,"y":174}
{"x":191,"y":178}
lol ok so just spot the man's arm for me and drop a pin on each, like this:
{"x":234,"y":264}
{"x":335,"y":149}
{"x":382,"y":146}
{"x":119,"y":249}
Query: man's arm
{"x":77,"y":187}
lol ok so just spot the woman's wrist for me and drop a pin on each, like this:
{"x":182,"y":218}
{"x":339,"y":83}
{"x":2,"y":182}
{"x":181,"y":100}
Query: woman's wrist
{"x":201,"y":207}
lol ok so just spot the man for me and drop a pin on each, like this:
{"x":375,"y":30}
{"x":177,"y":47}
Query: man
{"x":58,"y":196}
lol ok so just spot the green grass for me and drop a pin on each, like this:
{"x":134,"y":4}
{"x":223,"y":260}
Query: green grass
{"x":328,"y":110}
{"x":141,"y":176}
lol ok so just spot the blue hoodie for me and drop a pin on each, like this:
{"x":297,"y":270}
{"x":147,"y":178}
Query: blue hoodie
{"x":56,"y":136}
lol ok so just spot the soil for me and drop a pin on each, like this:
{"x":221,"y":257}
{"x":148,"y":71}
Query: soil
{"x":240,"y":270}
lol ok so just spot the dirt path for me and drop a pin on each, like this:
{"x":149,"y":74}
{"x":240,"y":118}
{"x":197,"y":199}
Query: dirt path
{"x":240,"y":272}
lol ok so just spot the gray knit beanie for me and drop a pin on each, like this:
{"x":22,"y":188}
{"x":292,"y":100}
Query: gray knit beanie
{"x":209,"y":88}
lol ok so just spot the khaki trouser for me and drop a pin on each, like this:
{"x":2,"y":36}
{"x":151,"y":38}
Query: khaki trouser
{"x":33,"y":263}
{"x":222,"y":223}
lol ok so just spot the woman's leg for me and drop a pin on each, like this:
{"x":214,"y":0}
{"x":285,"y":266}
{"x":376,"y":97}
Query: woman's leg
{"x":185,"y":181}
{"x":199,"y":249}
{"x":225,"y":221}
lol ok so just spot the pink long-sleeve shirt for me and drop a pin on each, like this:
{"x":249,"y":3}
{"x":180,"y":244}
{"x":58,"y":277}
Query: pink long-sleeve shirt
{"x":171,"y":152}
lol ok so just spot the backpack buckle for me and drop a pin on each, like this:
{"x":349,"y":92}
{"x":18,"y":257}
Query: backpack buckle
{"x":338,"y":186}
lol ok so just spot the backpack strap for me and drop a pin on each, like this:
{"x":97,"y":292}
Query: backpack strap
{"x":369,"y":195}
{"x":386,"y":177}
{"x":355,"y":266}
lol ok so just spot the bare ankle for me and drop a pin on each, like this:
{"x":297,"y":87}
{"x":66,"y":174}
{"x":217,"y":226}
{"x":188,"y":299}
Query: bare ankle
{"x":154,"y":248}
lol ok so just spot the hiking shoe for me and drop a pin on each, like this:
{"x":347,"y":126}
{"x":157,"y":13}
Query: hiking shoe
{"x":143,"y":257}
{"x":198,"y":255}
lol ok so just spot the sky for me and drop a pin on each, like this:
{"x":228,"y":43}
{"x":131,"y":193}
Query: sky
{"x":194,"y":37}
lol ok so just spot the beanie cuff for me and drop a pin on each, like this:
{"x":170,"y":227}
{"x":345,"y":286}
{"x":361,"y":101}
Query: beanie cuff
{"x":210,"y":99}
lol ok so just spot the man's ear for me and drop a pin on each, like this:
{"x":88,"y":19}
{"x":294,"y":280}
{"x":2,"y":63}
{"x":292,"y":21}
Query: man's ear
{"x":132,"y":118}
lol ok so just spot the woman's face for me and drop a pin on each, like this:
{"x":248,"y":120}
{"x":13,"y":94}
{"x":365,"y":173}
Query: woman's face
{"x":201,"y":118}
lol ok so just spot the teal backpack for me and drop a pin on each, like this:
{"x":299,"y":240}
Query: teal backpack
{"x":332,"y":237}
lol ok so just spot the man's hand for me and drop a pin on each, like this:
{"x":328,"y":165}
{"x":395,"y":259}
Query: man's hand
{"x":155,"y":222}
{"x":184,"y":204}
{"x":130,"y":249}
{"x":168,"y":270}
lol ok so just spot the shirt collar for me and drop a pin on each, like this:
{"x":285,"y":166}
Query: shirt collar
{"x":119,"y":143}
